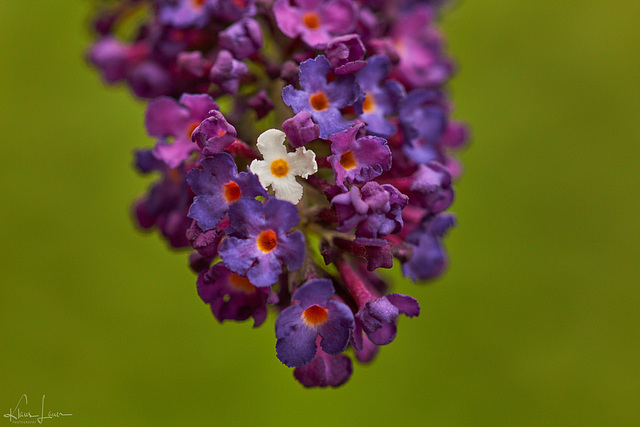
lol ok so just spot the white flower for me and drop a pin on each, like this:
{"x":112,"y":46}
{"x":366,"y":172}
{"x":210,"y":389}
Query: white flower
{"x":279,"y":168}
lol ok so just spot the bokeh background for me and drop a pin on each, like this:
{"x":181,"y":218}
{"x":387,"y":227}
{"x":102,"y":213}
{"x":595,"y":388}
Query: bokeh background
{"x":535,"y":323}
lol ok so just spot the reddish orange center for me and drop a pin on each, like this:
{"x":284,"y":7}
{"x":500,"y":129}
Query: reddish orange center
{"x":315,"y":315}
{"x":239,"y":3}
{"x":279,"y":168}
{"x":311,"y":20}
{"x":241,"y":284}
{"x":192,"y":126}
{"x":198,"y":3}
{"x":347,"y":160}
{"x":369,"y":103}
{"x":319,"y":101}
{"x":231,"y":192}
{"x":267,"y":241}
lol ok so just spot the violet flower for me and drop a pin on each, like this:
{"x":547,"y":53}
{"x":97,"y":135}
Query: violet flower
{"x":259,"y":241}
{"x":315,"y":315}
{"x":322,"y":99}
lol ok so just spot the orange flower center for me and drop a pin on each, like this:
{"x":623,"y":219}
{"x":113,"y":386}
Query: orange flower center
{"x":231,"y":192}
{"x":239,"y":3}
{"x":311,"y":20}
{"x":319,"y":101}
{"x":347,"y":160}
{"x":198,"y":3}
{"x":315,"y":315}
{"x":192,"y":126}
{"x":369,"y":103}
{"x":279,"y":168}
{"x":267,"y":241}
{"x":241,"y":284}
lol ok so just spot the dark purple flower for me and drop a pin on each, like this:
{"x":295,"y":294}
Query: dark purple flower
{"x":376,"y":211}
{"x":167,"y":118}
{"x":356,"y":161}
{"x":150,"y":80}
{"x":186,"y":13}
{"x":368,"y":350}
{"x":217,"y":186}
{"x":166,"y":204}
{"x":232,"y":297}
{"x":259,"y":242}
{"x":324,"y":370}
{"x":345,"y":54}
{"x":227,"y":72}
{"x":429,"y":258}
{"x":206,"y":243}
{"x":315,"y":21}
{"x":242,"y":39}
{"x":431,"y":187}
{"x":261,"y":104}
{"x":299,"y":325}
{"x":214,"y":134}
{"x":321,"y":99}
{"x":193,"y":64}
{"x":381,"y":99}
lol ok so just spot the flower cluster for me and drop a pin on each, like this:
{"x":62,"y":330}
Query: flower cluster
{"x":301,"y":145}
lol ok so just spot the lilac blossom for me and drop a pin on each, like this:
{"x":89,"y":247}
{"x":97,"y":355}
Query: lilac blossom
{"x":227,"y":72}
{"x":376,"y":211}
{"x":217,"y":186}
{"x":300,"y":129}
{"x":381,"y":97}
{"x":322,"y":99}
{"x":315,"y":315}
{"x":324,"y":370}
{"x":167,"y":118}
{"x":358,"y":160}
{"x":346,"y":54}
{"x":315,"y":21}
{"x":429,"y":258}
{"x":242,"y":39}
{"x":214,"y":134}
{"x":259,"y":242}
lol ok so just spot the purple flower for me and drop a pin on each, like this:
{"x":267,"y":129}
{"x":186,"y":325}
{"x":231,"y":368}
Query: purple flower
{"x":167,"y":118}
{"x":315,"y":21}
{"x":375,"y":316}
{"x":232,"y":297}
{"x":299,"y":325}
{"x":233,"y":10}
{"x":206,"y":242}
{"x":217,"y":186}
{"x":429,"y":259}
{"x":214,"y":134}
{"x":227,"y":72}
{"x":321,"y":99}
{"x":112,"y":58}
{"x":324,"y":370}
{"x":186,"y":13}
{"x":376,"y":211}
{"x":381,"y":99}
{"x":150,"y":80}
{"x":261,"y":103}
{"x":166,"y":204}
{"x":356,"y":161}
{"x":431,"y":187}
{"x":300,"y":129}
{"x":242,"y":39}
{"x":346,"y":53}
{"x":419,"y":45}
{"x":259,"y":243}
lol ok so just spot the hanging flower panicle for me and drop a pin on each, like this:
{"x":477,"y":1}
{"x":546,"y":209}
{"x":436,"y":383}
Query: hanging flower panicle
{"x":280,"y":124}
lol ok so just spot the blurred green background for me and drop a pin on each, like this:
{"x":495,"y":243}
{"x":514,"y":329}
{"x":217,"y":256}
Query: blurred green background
{"x":536,"y":322}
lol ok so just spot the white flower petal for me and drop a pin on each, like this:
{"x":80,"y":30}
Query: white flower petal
{"x":263,"y":170}
{"x":271,"y":144}
{"x":287,"y":188}
{"x":302,"y":162}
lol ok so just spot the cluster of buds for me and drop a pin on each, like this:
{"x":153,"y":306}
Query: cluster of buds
{"x":301,"y":146}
